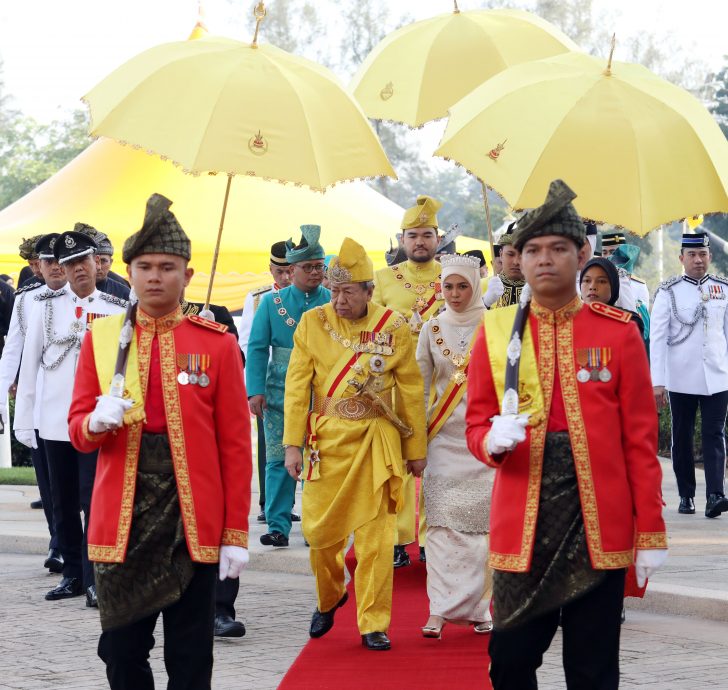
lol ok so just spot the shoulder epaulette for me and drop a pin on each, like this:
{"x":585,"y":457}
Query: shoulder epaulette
{"x":261,"y":290}
{"x":188,"y":308}
{"x":719,"y":278}
{"x":638,"y":280}
{"x":29,"y":286}
{"x":669,"y":282}
{"x":611,"y":312}
{"x":206,"y":323}
{"x":113,"y":299}
{"x":50,"y":294}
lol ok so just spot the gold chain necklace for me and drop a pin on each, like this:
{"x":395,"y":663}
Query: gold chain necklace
{"x":369,"y":346}
{"x":418,"y":288}
{"x":459,"y":361}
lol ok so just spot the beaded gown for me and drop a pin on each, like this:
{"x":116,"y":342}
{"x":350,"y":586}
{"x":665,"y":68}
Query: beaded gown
{"x":457,"y":489}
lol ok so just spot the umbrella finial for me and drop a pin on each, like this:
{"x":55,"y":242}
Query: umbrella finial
{"x":608,"y":71}
{"x":457,"y":9}
{"x":259,"y":13}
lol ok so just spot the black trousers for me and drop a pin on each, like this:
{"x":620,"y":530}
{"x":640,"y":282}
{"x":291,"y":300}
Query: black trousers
{"x":226,"y":591}
{"x":72,"y":482}
{"x":261,"y":461}
{"x":683,"y":409}
{"x":188,"y":639}
{"x":40,"y":464}
{"x":591,"y":626}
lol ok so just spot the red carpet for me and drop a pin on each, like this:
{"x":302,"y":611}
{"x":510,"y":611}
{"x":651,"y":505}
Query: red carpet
{"x":337,"y":661}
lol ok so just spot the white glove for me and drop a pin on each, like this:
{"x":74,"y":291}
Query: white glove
{"x":4,"y":414}
{"x":647,"y":562}
{"x":232,"y":561}
{"x":494,"y":291}
{"x":108,"y":414}
{"x":26,"y":437}
{"x":507,"y":432}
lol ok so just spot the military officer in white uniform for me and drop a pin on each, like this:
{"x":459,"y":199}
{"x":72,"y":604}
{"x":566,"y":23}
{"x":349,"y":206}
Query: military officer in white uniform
{"x":26,"y":300}
{"x":610,"y":242}
{"x":689,"y":363}
{"x":52,"y":345}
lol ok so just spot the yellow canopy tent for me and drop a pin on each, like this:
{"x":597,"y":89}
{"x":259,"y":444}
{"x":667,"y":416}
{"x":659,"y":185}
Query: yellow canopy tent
{"x":108,"y":184}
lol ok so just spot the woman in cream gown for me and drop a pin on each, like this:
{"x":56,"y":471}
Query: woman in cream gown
{"x":457,"y":486}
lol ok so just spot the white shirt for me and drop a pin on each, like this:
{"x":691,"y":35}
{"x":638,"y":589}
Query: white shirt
{"x":252,"y":300}
{"x":640,"y":291}
{"x":61,"y":317}
{"x":696,"y":361}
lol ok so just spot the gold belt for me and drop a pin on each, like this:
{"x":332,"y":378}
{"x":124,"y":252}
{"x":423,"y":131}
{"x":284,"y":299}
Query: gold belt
{"x":350,"y":408}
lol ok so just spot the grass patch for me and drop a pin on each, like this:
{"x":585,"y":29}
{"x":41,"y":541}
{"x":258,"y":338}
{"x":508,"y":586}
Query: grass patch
{"x":17,"y":475}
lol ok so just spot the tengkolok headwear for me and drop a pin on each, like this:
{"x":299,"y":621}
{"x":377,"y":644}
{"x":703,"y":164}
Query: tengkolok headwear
{"x":160,"y":233}
{"x":308,"y":248}
{"x":102,"y":240}
{"x":423,"y":214}
{"x":556,"y":216}
{"x":351,"y":264}
{"x":27,"y":248}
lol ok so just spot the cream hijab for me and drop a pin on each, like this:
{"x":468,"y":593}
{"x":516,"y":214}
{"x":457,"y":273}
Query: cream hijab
{"x":469,"y":268}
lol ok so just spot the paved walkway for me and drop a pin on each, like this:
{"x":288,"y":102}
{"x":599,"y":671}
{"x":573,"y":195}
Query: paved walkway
{"x":53,"y":645}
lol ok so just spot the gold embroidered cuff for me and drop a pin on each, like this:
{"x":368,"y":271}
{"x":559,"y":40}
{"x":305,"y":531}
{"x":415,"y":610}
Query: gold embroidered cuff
{"x":491,"y":460}
{"x":89,"y":435}
{"x":234,"y":537}
{"x":651,"y":540}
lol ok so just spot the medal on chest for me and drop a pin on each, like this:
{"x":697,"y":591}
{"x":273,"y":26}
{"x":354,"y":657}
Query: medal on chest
{"x":77,"y":326}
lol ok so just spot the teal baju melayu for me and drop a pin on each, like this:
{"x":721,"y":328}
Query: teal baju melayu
{"x":269,"y":349}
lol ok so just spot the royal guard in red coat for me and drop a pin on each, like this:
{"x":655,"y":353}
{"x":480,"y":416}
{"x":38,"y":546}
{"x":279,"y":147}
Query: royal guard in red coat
{"x":162,"y":396}
{"x":560,"y":402}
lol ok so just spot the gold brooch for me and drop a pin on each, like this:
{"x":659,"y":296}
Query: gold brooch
{"x":387,"y":92}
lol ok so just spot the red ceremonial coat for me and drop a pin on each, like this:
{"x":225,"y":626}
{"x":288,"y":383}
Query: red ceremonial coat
{"x":209,"y":436}
{"x":613,"y":430}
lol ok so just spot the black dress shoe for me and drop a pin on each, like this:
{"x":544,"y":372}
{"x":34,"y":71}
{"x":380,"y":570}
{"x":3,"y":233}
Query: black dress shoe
{"x":67,"y":588}
{"x":274,"y":539}
{"x":295,"y":517}
{"x":261,"y":516}
{"x":687,"y":505}
{"x":423,"y":556}
{"x":92,"y":601}
{"x":225,"y":626}
{"x":716,"y":504}
{"x":321,"y":623}
{"x":54,"y":562}
{"x":36,"y":505}
{"x":376,"y":641}
{"x":401,"y":557}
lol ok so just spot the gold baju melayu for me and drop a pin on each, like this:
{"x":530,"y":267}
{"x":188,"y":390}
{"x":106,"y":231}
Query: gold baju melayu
{"x":355,"y":438}
{"x":412,"y":289}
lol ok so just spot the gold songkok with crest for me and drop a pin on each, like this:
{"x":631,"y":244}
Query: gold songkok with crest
{"x":423,"y":214}
{"x":351,"y":265}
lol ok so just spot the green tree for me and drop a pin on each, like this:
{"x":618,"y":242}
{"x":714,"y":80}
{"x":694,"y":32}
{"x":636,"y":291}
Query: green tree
{"x":717,"y":88}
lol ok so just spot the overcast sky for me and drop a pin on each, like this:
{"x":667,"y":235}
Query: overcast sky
{"x":54,"y":51}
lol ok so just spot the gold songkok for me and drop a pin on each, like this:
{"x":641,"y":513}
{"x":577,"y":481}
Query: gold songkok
{"x":423,"y":214}
{"x":352,"y":265}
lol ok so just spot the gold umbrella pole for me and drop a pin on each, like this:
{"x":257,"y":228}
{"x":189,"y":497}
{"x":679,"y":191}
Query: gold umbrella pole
{"x":457,"y":9}
{"x":259,"y":13}
{"x":487,"y":218}
{"x":217,"y":246}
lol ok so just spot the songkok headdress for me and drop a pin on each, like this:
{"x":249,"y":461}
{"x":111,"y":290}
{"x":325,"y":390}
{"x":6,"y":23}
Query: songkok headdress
{"x":73,"y":245}
{"x":44,"y":246}
{"x":160,"y":233}
{"x":476,"y":254}
{"x":695,"y":240}
{"x":423,"y":214}
{"x":351,"y":265}
{"x":556,"y":216}
{"x":308,"y":248}
{"x":613,"y":239}
{"x":27,"y":248}
{"x":278,"y":254}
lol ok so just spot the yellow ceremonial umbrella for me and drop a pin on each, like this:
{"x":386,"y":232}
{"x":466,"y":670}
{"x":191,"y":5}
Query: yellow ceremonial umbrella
{"x":416,"y":73}
{"x":222,"y":106}
{"x":638,"y":151}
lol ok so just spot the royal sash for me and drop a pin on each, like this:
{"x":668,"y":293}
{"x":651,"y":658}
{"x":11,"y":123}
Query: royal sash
{"x":335,"y":385}
{"x":105,"y":340}
{"x":497,"y":327}
{"x":449,"y":400}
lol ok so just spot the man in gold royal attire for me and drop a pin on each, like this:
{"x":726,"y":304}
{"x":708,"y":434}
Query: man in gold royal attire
{"x":354,"y":356}
{"x":413,"y":288}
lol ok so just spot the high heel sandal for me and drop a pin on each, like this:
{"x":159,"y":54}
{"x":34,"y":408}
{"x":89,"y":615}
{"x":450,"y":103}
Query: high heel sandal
{"x":483,"y":628}
{"x":433,"y":631}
